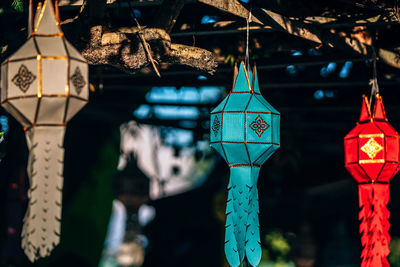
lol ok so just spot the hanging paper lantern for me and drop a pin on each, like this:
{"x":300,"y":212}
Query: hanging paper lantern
{"x":44,"y":84}
{"x":245,"y":131}
{"x":372,"y":158}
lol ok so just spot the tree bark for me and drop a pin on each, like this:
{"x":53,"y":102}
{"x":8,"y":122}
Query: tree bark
{"x":125,"y":51}
{"x":194,"y":57}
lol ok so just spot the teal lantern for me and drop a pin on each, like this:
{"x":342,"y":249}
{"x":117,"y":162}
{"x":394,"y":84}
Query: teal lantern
{"x":245,"y":130}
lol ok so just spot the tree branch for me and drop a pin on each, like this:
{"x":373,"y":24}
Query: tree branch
{"x":124,"y":49}
{"x":194,"y":57}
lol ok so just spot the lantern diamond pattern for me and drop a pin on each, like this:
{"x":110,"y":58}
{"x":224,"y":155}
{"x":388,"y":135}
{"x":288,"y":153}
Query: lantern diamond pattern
{"x":23,"y":78}
{"x":372,"y":158}
{"x":259,"y":125}
{"x":245,"y":132}
{"x":35,"y":83}
{"x":78,"y":80}
{"x":216,"y":126}
{"x":371,"y":148}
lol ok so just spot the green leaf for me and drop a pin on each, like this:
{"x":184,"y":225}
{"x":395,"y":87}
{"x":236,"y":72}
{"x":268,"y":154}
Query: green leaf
{"x":18,"y":5}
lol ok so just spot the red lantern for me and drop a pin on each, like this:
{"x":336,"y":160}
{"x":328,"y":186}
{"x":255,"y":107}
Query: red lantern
{"x":372,"y":158}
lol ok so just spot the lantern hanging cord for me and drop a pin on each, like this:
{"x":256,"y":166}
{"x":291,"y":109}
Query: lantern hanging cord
{"x":374,"y":81}
{"x":57,"y":10}
{"x":30,"y":18}
{"x":248,"y":20}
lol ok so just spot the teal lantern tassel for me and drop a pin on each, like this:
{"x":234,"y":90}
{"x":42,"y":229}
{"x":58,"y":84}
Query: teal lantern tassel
{"x":245,"y":131}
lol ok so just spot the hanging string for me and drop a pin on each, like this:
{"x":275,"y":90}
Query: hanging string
{"x":56,"y":7}
{"x":30,"y":18}
{"x":248,"y":20}
{"x":374,"y":81}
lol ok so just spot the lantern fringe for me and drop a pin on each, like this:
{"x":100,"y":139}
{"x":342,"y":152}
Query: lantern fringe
{"x":242,"y":234}
{"x":41,"y":229}
{"x":374,"y":226}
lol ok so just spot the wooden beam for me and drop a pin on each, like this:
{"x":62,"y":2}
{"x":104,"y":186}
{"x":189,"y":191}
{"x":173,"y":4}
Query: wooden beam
{"x":221,"y":31}
{"x":308,"y":31}
{"x":71,"y":3}
{"x":369,"y":5}
{"x":231,"y":6}
{"x":242,"y":10}
{"x":334,"y":22}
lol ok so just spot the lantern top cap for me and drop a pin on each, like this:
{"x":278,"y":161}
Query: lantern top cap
{"x":245,"y":81}
{"x":365,"y":110}
{"x":45,"y":20}
{"x":378,"y":113}
{"x":379,"y":109}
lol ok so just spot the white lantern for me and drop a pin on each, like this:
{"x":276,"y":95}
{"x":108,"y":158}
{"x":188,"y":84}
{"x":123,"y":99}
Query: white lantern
{"x":44,"y":84}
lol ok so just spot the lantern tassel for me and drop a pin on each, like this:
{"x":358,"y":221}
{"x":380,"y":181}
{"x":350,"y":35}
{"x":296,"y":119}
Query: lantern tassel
{"x":253,"y":247}
{"x":41,"y":230}
{"x":242,"y":236}
{"x":374,"y":226}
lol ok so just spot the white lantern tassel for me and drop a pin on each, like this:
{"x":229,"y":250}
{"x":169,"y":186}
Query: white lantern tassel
{"x":41,"y":230}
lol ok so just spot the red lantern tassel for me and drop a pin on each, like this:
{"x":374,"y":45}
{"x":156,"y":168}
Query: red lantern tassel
{"x":374,"y":226}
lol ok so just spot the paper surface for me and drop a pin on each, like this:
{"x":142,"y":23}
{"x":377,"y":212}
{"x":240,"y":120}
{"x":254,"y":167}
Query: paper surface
{"x":245,"y":131}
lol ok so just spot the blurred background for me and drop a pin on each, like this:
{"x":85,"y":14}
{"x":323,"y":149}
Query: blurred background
{"x":142,"y":186}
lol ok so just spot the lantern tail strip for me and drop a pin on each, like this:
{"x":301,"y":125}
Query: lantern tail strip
{"x":374,"y":225}
{"x":241,"y":180}
{"x":365,"y":194}
{"x":237,"y":213}
{"x":41,"y":230}
{"x":253,"y":247}
{"x":379,"y":227}
{"x":231,"y":247}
